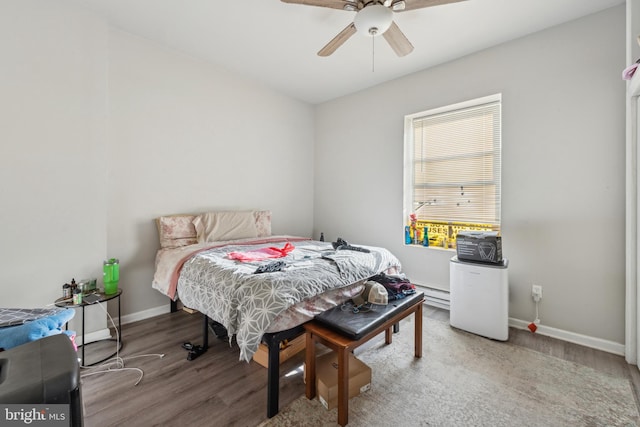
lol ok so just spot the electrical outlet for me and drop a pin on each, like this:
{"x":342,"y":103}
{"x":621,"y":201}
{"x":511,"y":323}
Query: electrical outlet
{"x":536,"y":292}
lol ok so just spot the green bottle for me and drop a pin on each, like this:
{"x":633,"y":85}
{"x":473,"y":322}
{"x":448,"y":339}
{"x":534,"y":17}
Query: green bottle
{"x":111,"y":275}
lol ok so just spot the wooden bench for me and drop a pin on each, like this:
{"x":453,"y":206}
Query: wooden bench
{"x":373,"y":323}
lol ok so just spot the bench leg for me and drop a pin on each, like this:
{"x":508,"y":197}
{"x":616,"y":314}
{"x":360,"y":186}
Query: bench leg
{"x":418,"y":330}
{"x":273,"y":378}
{"x":316,"y":332}
{"x":310,"y":366}
{"x":343,"y":386}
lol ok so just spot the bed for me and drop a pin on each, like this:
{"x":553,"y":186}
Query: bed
{"x":213,"y":263}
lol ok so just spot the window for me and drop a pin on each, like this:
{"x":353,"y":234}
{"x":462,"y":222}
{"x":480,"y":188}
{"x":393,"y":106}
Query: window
{"x":452,"y":171}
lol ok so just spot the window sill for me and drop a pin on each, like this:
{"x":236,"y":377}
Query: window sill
{"x":414,"y":245}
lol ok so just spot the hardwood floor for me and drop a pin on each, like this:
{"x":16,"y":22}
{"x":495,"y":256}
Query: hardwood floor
{"x":218,"y":389}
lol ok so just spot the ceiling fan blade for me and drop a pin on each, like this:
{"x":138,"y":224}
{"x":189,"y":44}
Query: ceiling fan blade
{"x":397,"y":40}
{"x":338,"y":40}
{"x":332,"y":4}
{"x":419,"y":4}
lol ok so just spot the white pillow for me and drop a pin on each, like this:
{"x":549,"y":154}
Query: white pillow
{"x":219,"y":226}
{"x":176,"y":230}
{"x":263,"y":223}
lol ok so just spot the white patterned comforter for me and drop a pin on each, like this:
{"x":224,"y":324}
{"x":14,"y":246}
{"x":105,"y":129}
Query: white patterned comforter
{"x":230,"y":293}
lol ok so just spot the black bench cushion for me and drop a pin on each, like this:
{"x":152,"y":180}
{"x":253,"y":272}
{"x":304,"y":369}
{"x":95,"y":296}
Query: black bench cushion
{"x":342,"y":319}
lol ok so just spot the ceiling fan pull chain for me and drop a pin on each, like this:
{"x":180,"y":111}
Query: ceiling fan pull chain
{"x":373,"y":54}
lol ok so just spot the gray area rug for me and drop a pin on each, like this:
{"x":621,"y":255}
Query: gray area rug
{"x":466,"y":380}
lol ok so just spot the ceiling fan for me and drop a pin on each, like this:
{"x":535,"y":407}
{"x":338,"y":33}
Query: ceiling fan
{"x":373,"y":18}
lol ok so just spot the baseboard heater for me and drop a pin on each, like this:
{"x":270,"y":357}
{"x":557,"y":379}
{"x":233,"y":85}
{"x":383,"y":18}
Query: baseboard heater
{"x":435,"y":297}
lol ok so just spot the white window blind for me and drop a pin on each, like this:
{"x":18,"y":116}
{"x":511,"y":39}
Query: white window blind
{"x":454,"y":162}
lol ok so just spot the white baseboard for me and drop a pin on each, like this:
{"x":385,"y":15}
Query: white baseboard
{"x":89,"y":337}
{"x":440,"y":298}
{"x":146,"y":314}
{"x":436,"y":297}
{"x":129,"y":318}
{"x":585,"y":340}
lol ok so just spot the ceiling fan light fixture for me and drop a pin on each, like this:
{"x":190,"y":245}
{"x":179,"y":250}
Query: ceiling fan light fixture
{"x":398,"y":6}
{"x":373,"y":20}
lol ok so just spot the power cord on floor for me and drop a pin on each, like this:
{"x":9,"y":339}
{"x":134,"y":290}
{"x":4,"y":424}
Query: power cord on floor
{"x":533,"y":326}
{"x":108,"y":366}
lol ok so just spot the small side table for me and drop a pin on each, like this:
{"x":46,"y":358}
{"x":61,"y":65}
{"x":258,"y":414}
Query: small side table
{"x":68,"y":303}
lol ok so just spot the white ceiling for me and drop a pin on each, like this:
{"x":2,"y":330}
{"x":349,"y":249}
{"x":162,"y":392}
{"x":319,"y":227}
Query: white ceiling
{"x":276,"y":42}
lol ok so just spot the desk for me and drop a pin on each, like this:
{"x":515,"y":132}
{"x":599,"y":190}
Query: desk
{"x":68,"y":303}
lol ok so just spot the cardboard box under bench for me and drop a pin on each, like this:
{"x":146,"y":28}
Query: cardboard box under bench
{"x":327,"y":378}
{"x":288,"y":349}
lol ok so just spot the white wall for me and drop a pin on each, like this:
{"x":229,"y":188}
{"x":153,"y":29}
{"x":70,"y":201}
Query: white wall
{"x":563,"y":168}
{"x":52,"y":170}
{"x":103,"y":131}
{"x":187,"y":136}
{"x":53,"y":60}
